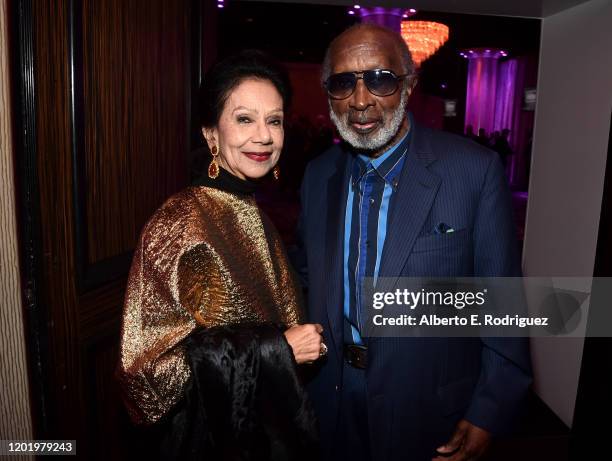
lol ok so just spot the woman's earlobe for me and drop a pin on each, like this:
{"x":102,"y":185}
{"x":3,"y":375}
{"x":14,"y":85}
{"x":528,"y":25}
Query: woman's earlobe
{"x":209,"y":137}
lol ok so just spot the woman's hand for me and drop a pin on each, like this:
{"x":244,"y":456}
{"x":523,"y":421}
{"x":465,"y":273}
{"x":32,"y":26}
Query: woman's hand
{"x":306,"y":342}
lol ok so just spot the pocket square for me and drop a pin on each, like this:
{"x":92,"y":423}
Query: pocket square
{"x":443,"y":228}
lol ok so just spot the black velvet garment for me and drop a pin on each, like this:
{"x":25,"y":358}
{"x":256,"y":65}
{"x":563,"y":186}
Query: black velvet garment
{"x":244,"y":400}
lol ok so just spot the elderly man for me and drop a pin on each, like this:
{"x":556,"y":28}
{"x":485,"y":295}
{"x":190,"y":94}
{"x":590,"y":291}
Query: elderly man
{"x":397,"y":199}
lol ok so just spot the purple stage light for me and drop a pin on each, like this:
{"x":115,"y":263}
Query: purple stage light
{"x":491,"y":90}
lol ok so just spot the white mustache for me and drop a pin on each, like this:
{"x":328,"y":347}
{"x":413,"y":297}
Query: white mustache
{"x":390,"y":124}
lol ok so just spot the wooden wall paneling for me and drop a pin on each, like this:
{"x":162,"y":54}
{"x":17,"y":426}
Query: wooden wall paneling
{"x":134,"y":117}
{"x":21,"y":38}
{"x":131,"y":125}
{"x":15,"y":416}
{"x":105,"y":441}
{"x":110,"y":118}
{"x":54,"y":161}
{"x":100,"y":310}
{"x":131,"y":113}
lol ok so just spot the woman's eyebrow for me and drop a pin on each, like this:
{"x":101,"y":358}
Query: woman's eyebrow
{"x":244,"y":108}
{"x":278,"y":109}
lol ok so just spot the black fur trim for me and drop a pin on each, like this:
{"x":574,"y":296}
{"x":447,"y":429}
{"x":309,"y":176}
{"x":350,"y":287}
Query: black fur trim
{"x":244,"y":400}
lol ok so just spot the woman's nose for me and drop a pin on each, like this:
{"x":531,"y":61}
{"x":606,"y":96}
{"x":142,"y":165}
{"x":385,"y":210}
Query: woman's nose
{"x":263,"y":133}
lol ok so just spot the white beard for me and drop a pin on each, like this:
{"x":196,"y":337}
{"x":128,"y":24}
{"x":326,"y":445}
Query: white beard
{"x":382,"y":137}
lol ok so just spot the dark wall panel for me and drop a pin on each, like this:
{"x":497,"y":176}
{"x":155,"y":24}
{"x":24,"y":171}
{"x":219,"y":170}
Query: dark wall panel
{"x":135,"y":84}
{"x":54,"y":157}
{"x":112,"y":84}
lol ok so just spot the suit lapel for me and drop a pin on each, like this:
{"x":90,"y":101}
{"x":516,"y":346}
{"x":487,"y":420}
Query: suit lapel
{"x":334,"y":246}
{"x":415,"y":195}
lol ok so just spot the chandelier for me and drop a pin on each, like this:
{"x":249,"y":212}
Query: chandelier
{"x":423,"y":38}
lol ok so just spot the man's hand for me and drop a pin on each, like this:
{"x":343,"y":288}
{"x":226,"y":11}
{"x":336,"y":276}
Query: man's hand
{"x":305,"y":341}
{"x":468,"y":443}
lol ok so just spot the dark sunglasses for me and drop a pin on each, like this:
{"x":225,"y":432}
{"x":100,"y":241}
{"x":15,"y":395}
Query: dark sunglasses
{"x":379,"y":82}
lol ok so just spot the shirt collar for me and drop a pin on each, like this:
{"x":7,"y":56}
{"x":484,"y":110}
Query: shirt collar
{"x":386,"y":166}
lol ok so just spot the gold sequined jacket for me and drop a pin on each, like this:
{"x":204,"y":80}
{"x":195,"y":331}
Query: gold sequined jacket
{"x":207,"y":257}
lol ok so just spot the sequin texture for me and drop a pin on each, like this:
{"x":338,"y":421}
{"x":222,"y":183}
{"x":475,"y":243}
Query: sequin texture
{"x":206,"y":258}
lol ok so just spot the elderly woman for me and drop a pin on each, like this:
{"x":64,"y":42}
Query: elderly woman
{"x":212,"y":324}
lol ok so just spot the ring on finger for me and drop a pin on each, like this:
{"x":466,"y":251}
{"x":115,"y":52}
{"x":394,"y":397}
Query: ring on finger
{"x":323,"y":351}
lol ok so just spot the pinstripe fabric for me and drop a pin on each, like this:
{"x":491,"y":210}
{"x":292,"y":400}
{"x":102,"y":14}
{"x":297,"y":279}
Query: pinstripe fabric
{"x":418,"y":388}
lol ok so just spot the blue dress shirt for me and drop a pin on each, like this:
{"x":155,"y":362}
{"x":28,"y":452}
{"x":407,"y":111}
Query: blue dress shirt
{"x":370,"y":191}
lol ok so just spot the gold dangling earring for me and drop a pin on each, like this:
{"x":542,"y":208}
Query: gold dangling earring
{"x":276,"y":172}
{"x":213,"y":168}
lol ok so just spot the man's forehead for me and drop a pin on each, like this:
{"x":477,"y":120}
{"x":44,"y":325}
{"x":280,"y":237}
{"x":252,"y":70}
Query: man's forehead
{"x":364,"y":54}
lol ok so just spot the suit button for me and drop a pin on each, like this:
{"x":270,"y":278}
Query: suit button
{"x":371,"y":201}
{"x":337,"y":388}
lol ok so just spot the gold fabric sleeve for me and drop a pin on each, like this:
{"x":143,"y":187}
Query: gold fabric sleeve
{"x":206,"y":258}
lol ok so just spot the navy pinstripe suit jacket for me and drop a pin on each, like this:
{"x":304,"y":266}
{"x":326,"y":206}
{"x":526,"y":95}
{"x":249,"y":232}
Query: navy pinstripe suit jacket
{"x":418,"y":388}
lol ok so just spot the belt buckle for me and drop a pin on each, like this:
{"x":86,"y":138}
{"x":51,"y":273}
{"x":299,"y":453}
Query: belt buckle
{"x":356,"y":355}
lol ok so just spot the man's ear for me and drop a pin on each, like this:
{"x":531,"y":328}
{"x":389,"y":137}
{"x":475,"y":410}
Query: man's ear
{"x":210,"y":135}
{"x":412,"y":83}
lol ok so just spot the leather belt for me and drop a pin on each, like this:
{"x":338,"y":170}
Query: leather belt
{"x":356,"y":356}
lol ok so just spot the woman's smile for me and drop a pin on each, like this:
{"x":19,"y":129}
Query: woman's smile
{"x":258,"y":156}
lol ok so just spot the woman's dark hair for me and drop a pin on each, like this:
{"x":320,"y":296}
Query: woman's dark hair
{"x":228,"y":73}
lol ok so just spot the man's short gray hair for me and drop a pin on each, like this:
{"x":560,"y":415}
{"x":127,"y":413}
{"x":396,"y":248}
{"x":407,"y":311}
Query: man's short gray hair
{"x":402,"y":48}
